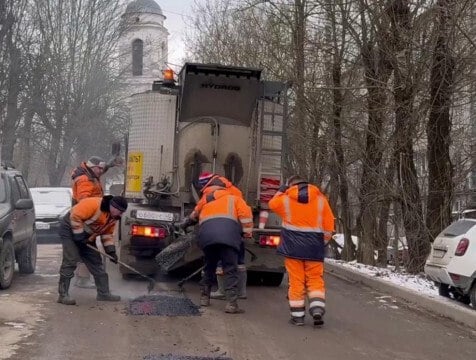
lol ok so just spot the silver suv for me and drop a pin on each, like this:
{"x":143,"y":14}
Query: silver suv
{"x":17,"y":226}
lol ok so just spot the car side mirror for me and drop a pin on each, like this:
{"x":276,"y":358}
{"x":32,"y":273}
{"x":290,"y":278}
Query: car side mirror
{"x":24,"y":204}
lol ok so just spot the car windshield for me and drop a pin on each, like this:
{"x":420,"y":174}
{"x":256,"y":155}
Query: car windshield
{"x":458,"y":228}
{"x":3,"y":190}
{"x":50,"y":197}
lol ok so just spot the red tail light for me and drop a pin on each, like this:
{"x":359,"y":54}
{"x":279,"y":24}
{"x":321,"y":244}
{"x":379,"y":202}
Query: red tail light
{"x":149,"y":231}
{"x":454,"y":277}
{"x":462,"y":247}
{"x":269,"y":240}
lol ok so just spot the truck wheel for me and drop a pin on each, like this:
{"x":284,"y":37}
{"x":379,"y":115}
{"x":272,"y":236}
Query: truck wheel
{"x":472,"y":295}
{"x":27,"y":257}
{"x":272,"y":279}
{"x":7,"y":264}
{"x":465,"y":299}
{"x":444,"y":290}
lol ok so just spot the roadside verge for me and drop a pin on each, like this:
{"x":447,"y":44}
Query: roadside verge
{"x":440,"y":306}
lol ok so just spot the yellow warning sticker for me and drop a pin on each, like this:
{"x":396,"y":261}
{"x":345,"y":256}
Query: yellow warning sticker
{"x":134,"y":172}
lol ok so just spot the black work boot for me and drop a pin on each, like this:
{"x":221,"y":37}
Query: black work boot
{"x":298,"y":321}
{"x":317,"y":315}
{"x":63,"y":288}
{"x":205,"y":295}
{"x":104,"y":294}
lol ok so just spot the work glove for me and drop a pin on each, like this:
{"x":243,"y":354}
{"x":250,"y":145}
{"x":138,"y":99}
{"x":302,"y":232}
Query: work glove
{"x":82,"y":238}
{"x":111,"y":251}
{"x":283,"y":187}
{"x":186,"y":223}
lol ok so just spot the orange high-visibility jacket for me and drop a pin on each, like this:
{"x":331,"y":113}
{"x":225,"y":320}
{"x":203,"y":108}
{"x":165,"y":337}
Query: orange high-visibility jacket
{"x":216,"y":183}
{"x":224,"y":219}
{"x":85,"y":184}
{"x":306,"y":218}
{"x":88,"y":216}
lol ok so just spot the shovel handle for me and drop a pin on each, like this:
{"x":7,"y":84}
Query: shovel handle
{"x":121,"y":263}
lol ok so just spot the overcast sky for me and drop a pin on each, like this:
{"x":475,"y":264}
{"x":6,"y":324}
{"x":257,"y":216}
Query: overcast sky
{"x":178,"y":15}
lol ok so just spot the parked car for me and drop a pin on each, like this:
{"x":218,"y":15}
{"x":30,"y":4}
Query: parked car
{"x":51,"y":203}
{"x":452,"y":261}
{"x":17,"y":226}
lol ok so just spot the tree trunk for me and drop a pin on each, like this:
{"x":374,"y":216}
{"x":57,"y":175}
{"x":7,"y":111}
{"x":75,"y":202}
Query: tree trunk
{"x":440,"y":185}
{"x":299,"y":32}
{"x":25,"y":147}
{"x":377,"y":71}
{"x":404,"y":95}
{"x":13,"y":113}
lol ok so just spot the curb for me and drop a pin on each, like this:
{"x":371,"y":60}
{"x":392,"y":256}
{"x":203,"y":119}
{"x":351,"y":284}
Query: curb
{"x":440,"y":306}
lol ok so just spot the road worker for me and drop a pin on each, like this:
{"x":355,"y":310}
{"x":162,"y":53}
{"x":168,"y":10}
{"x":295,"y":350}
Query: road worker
{"x":223,"y":219}
{"x":307,"y":224}
{"x":91,"y":217}
{"x":86,"y":183}
{"x":207,"y":183}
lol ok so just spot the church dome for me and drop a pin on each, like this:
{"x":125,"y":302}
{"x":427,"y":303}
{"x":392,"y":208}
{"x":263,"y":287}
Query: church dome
{"x":144,"y":6}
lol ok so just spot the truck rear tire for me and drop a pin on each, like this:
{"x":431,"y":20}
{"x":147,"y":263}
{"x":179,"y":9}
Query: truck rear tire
{"x":265,"y":278}
{"x":472,"y":295}
{"x":7,"y":264}
{"x":27,"y":257}
{"x":272,"y":279}
{"x":444,"y":290}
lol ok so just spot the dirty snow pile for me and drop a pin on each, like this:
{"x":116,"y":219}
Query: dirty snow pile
{"x":418,"y":283}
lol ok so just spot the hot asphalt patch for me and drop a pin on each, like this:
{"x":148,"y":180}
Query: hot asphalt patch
{"x":182,"y":357}
{"x":163,"y":305}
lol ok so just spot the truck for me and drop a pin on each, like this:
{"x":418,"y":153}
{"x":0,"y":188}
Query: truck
{"x":220,"y":119}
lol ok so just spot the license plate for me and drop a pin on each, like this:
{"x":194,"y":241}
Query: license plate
{"x":42,"y":226}
{"x":154,"y":215}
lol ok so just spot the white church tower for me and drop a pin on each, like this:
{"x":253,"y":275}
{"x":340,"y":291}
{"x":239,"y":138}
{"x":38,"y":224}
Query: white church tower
{"x":144,"y":45}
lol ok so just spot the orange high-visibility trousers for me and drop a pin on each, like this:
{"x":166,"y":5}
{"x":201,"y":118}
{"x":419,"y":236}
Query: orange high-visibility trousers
{"x":305,"y":278}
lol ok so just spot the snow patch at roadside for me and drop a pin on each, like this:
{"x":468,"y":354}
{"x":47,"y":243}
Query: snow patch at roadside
{"x":418,"y":283}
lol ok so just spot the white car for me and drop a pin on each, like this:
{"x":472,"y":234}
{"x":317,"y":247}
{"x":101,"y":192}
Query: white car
{"x":50,"y":203}
{"x":452,"y":261}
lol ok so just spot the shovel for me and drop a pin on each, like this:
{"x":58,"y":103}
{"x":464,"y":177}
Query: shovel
{"x":149,"y":279}
{"x":181,"y":282}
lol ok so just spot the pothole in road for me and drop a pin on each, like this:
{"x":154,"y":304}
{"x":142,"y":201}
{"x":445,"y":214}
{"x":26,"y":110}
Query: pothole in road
{"x":181,"y":357}
{"x":163,"y":305}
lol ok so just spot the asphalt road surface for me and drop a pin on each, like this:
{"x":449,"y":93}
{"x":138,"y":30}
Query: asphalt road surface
{"x":360,"y":324}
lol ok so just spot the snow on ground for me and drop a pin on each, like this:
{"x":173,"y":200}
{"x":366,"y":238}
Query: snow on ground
{"x":418,"y":283}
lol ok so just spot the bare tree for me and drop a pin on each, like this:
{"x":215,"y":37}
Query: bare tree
{"x":11,"y":79}
{"x":78,"y":41}
{"x":440,"y":186}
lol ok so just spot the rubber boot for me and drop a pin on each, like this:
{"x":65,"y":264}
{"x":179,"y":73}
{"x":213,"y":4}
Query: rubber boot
{"x":83,"y":277}
{"x":317,"y":315}
{"x":220,"y":293}
{"x":242,"y":278}
{"x":104,"y":294}
{"x":205,"y":296}
{"x":84,"y":283}
{"x":233,"y":308}
{"x":63,"y":288}
{"x":298,"y":321}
